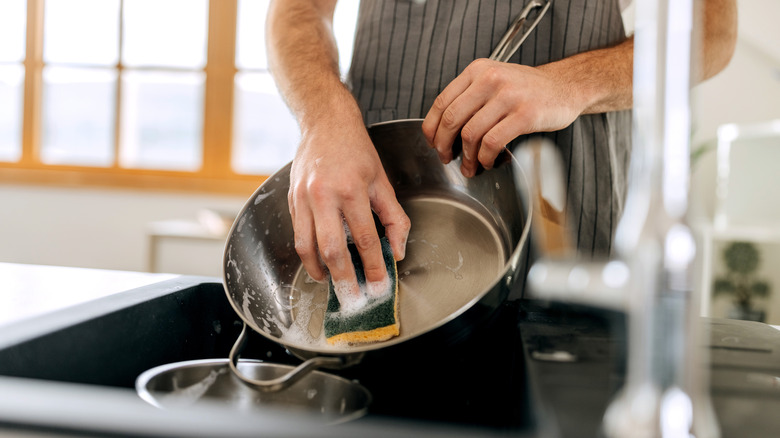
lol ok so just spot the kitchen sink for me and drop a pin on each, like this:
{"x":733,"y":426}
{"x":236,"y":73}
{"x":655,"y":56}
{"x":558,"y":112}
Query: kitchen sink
{"x":112,"y":340}
{"x":74,"y":370}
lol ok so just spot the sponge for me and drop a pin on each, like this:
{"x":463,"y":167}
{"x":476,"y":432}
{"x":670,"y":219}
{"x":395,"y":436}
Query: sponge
{"x":374,"y":316}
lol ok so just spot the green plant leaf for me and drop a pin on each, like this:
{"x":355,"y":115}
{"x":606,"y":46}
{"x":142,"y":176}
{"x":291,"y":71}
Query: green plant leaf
{"x":723,"y":286}
{"x":760,"y":289}
{"x":742,"y":257}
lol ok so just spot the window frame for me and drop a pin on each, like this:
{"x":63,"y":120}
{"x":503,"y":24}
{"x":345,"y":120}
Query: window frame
{"x":215,"y":175}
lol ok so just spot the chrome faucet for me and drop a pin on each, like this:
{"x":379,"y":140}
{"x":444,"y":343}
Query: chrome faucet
{"x":652,"y":274}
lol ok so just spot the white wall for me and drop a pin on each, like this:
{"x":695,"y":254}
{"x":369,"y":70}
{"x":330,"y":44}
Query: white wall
{"x":746,"y":92}
{"x":103,"y":228}
{"x":748,"y":89}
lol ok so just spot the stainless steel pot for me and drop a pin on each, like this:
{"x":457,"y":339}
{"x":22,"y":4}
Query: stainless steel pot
{"x":467,"y":239}
{"x":331,"y":398}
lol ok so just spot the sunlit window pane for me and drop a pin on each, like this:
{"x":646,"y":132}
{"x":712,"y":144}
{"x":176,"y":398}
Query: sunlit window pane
{"x":11,"y":84}
{"x":162,"y":116}
{"x":13,"y":19}
{"x":78,"y":116}
{"x":344,"y":22}
{"x":265,"y":134}
{"x":250,"y":42}
{"x":81,"y":31}
{"x":165,"y":33}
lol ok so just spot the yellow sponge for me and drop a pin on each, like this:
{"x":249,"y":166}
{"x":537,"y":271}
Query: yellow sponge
{"x":375,"y":319}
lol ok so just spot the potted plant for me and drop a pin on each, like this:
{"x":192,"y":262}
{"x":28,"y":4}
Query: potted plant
{"x":742,"y":259}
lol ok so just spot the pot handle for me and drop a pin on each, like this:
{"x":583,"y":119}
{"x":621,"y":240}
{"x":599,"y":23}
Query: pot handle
{"x":285,"y":381}
{"x":519,"y":31}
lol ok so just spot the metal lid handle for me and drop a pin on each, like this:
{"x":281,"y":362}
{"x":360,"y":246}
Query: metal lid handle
{"x":285,"y":381}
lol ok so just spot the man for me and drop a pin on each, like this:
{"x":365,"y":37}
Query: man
{"x":571,"y":79}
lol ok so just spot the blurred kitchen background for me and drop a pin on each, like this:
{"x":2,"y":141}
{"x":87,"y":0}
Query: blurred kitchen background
{"x":132,"y":132}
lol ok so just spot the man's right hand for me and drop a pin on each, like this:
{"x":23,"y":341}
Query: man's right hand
{"x":337,"y":176}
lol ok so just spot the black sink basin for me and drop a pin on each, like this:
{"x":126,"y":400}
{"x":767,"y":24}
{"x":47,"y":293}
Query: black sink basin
{"x":111,"y":341}
{"x":82,"y":363}
{"x":74,"y":370}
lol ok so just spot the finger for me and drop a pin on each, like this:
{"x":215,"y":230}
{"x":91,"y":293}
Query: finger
{"x":291,"y":201}
{"x":361,"y":224}
{"x":332,"y":242}
{"x":454,"y":89}
{"x":444,"y":120}
{"x":473,"y":134}
{"x":455,"y":117}
{"x":451,"y":109}
{"x":432,"y":120}
{"x":392,"y":217}
{"x":306,"y":243}
{"x":494,"y":141}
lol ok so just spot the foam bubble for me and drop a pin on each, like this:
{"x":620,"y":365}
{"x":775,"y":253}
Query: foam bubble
{"x":261,"y":197}
{"x":351,"y":300}
{"x":192,"y":393}
{"x":376,"y":289}
{"x":297,"y":332}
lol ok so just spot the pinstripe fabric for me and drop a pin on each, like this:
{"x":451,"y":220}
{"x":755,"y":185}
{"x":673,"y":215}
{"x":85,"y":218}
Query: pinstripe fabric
{"x":406,"y":52}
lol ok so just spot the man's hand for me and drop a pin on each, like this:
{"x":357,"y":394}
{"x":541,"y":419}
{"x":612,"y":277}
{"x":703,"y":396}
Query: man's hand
{"x":336,"y":176}
{"x":491,"y":103}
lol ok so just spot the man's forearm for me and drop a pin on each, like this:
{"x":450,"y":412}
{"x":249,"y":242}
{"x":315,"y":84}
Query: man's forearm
{"x":715,"y":36}
{"x":303,"y":59}
{"x":602,"y":80}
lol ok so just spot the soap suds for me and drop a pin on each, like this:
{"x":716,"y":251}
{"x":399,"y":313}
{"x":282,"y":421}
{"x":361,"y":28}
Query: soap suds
{"x":350,"y":299}
{"x":245,"y":305}
{"x":376,"y":289}
{"x":262,"y":196}
{"x":297,"y":332}
{"x":192,"y":393}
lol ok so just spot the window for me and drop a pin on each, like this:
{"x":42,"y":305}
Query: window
{"x":145,"y":93}
{"x":12,"y":34}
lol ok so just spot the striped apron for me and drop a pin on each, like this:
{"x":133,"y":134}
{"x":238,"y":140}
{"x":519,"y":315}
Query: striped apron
{"x":406,"y":52}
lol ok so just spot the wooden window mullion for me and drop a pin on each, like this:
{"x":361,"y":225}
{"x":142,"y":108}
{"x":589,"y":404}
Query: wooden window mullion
{"x":33,"y":84}
{"x":218,"y":100}
{"x":118,"y":89}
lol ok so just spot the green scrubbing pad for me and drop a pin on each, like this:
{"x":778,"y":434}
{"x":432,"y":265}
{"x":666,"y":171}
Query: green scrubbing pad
{"x":376,"y":319}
